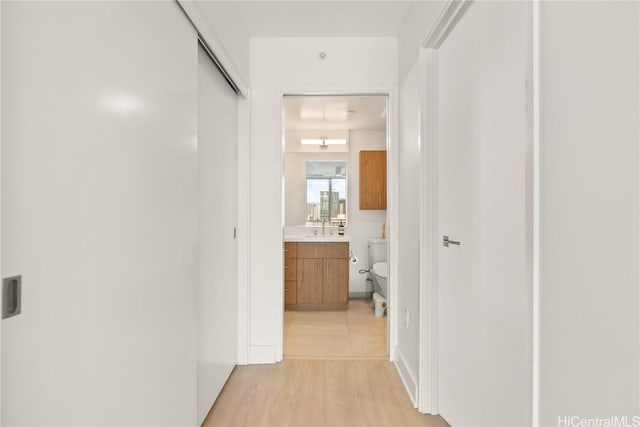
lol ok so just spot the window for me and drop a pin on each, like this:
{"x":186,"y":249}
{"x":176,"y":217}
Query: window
{"x":326,"y":192}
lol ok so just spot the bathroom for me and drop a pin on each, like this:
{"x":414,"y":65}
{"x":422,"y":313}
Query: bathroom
{"x":335,"y":215}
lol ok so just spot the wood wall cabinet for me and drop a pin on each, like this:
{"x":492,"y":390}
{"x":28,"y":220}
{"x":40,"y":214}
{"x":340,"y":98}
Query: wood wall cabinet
{"x":321,"y":278}
{"x":373,"y":180}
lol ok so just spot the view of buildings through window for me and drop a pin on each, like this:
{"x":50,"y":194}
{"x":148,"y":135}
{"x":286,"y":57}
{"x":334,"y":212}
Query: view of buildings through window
{"x":326,"y":194}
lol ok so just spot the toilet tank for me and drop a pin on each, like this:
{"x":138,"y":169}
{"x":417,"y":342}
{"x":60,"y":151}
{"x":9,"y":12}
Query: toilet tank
{"x":377,"y":251}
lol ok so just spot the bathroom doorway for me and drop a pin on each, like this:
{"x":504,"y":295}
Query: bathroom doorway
{"x":335,"y":226}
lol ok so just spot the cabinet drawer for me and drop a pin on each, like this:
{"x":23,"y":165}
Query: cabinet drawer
{"x":310,"y":250}
{"x":289,"y":269}
{"x":323,"y":250}
{"x":290,"y":292}
{"x":336,"y":250}
{"x":290,"y":249}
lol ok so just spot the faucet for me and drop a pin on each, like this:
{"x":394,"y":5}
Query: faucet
{"x":323,"y":221}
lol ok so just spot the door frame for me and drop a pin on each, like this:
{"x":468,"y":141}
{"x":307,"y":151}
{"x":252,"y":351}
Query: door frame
{"x":451,"y":14}
{"x":392,"y":204}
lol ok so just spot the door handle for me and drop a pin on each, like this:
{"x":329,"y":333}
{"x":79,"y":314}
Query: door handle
{"x":446,"y":242}
{"x":12,"y":298}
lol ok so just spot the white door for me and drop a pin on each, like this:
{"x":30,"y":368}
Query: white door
{"x":217,"y":292}
{"x":484,"y":293}
{"x":99,"y":213}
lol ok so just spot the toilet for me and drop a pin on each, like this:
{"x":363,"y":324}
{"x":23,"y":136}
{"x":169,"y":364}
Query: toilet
{"x":378,"y":271}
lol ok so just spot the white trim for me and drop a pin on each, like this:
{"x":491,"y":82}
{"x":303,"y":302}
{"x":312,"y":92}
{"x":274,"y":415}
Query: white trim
{"x":392,"y":196}
{"x":428,"y":362}
{"x":392,"y":221}
{"x":451,"y":14}
{"x":428,"y":371}
{"x":194,"y":12}
{"x":407,"y":377}
{"x":262,"y":354}
{"x":244,"y":226}
{"x":535,"y":200}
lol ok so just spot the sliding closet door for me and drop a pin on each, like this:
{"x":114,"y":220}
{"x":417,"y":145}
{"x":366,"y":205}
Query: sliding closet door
{"x":217,"y":307}
{"x":99,"y":213}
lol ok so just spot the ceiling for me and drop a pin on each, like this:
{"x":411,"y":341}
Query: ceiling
{"x":335,"y":112}
{"x":308,"y":18}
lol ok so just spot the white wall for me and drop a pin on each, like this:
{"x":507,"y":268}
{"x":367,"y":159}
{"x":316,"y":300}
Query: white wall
{"x":281,"y":65}
{"x":99,"y":213}
{"x":589,"y":347}
{"x":363,"y":224}
{"x":408,"y":347}
{"x":420,"y":18}
{"x":231,"y":35}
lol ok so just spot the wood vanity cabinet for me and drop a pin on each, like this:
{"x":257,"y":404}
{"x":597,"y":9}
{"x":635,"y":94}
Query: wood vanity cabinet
{"x":309,"y":281}
{"x":321,"y":276}
{"x":290,"y":273}
{"x":373,"y":180}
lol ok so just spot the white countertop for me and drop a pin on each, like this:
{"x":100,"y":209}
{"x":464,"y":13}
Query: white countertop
{"x":315,"y":238}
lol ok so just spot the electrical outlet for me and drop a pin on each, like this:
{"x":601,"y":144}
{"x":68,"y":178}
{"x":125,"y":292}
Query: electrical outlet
{"x":406,"y":318}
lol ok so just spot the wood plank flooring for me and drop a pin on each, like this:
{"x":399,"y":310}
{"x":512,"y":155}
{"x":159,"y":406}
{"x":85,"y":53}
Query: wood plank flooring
{"x":352,"y":334}
{"x":335,"y":373}
{"x":317,"y":392}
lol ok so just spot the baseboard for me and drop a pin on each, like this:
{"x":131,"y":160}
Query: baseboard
{"x":316,"y":307}
{"x":261,"y":354}
{"x":407,"y":377}
{"x":354,"y":295}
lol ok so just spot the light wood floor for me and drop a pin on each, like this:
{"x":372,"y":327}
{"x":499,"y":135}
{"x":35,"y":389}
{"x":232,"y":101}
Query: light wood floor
{"x":352,"y":334}
{"x":316,"y":392}
{"x":334,"y":374}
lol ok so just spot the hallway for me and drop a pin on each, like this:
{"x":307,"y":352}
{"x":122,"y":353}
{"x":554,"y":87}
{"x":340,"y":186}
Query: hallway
{"x":143,"y":217}
{"x":317,"y":393}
